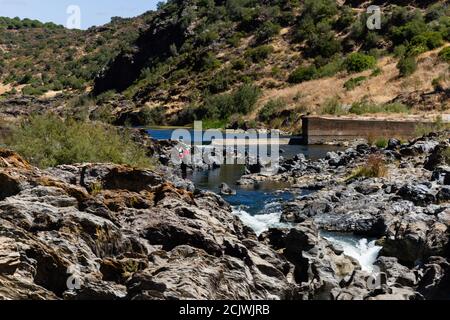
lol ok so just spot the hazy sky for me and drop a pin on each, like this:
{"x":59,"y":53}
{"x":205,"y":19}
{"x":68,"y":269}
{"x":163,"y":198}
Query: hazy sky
{"x":93,"y":12}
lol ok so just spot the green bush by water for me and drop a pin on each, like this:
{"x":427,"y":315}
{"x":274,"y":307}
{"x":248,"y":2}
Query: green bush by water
{"x":48,"y":141}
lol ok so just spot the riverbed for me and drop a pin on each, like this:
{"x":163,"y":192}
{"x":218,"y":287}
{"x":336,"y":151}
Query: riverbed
{"x":259,"y":206}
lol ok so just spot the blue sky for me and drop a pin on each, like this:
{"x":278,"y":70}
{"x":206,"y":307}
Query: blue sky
{"x":93,"y":12}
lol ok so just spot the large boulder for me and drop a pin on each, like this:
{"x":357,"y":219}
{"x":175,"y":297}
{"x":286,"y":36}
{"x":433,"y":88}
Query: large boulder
{"x":224,"y":189}
{"x":419,"y":194}
{"x":435,"y":281}
{"x":437,"y":157}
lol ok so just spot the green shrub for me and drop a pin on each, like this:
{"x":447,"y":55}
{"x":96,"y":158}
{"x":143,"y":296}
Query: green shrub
{"x":330,"y":68}
{"x":223,"y":106}
{"x":367,"y":107}
{"x":376,"y":72}
{"x":346,"y":18}
{"x":26,"y":79}
{"x":207,"y":37}
{"x":33,"y":91}
{"x":214,"y":124}
{"x":302,"y":74}
{"x":238,"y":64}
{"x":48,"y":141}
{"x":396,"y":108}
{"x":407,"y":66}
{"x":259,"y":54}
{"x":381,"y":143}
{"x":245,"y":98}
{"x":357,"y":62}
{"x":267,"y":30}
{"x":407,"y":31}
{"x":323,"y":43}
{"x":354,"y":82}
{"x":332,"y":106}
{"x":430,"y":40}
{"x":103,"y":113}
{"x":235,"y":39}
{"x":209,"y":62}
{"x":152,"y":116}
{"x":445,"y":54}
{"x":400,"y":51}
{"x":266,"y":114}
{"x":436,"y":11}
{"x":220,"y":82}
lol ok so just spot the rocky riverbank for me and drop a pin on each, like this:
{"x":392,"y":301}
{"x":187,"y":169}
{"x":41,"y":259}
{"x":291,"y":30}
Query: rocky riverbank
{"x":407,"y":208}
{"x":102,"y":231}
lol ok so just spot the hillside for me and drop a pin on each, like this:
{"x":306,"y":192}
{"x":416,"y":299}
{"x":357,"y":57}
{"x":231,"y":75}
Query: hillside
{"x":236,"y":61}
{"x":36,"y":58}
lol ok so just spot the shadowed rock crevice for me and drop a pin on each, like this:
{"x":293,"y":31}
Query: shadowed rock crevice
{"x":9,"y":186}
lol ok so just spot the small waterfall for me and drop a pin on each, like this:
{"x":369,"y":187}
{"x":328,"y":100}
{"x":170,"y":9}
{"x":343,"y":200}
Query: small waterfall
{"x":261,"y":222}
{"x":365,"y":251}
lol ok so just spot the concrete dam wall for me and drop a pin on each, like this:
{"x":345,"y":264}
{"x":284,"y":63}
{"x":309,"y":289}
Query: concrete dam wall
{"x":320,"y":130}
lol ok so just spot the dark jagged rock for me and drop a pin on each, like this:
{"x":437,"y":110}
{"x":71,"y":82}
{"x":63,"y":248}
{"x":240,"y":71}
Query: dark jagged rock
{"x":393,"y":144}
{"x":436,"y":158}
{"x":435,"y":281}
{"x":420,"y":194}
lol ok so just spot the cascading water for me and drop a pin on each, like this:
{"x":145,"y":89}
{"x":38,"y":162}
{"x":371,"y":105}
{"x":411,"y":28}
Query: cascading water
{"x":261,"y":222}
{"x":363,"y":250}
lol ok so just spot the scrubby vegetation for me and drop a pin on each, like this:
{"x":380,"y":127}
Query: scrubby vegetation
{"x":375,"y":167}
{"x":270,"y":109}
{"x":259,"y":54}
{"x":243,"y":43}
{"x":203,"y":51}
{"x":302,"y":74}
{"x":357,"y":62}
{"x":367,"y":107}
{"x":45,"y":56}
{"x":407,"y":66}
{"x":445,"y":54}
{"x":354,"y":82}
{"x":220,"y":107}
{"x":48,"y":141}
{"x":17,"y":24}
{"x":333,"y":106}
{"x":381,"y":143}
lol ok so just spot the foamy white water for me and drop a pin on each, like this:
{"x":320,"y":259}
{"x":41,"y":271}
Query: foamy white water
{"x":365,"y":252}
{"x":261,"y":222}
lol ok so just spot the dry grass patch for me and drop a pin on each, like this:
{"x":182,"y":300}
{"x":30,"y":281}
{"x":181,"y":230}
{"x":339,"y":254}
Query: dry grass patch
{"x":375,"y":167}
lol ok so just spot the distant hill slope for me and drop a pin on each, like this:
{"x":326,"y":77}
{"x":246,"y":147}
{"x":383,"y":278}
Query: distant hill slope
{"x":240,"y":60}
{"x":36,"y":57}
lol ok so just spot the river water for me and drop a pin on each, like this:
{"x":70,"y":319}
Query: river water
{"x":259,"y":207}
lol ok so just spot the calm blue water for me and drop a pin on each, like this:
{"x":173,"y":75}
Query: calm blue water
{"x":187,"y":135}
{"x":313,"y":152}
